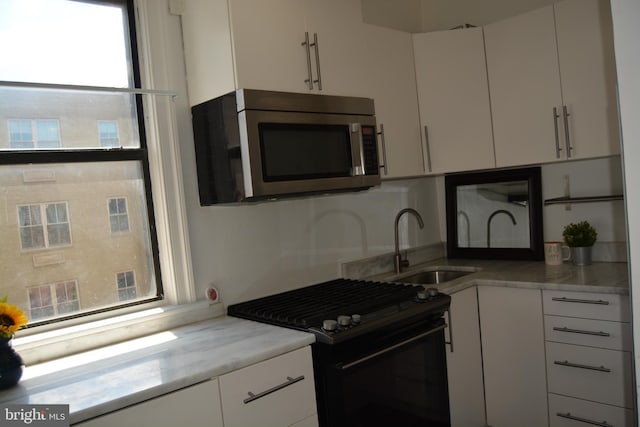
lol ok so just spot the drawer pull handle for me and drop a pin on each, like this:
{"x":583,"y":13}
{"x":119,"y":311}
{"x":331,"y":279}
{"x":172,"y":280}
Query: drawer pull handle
{"x":583,"y":420}
{"x":577,"y":365}
{"x":287,"y":383}
{"x":583,"y":301}
{"x":580,"y":331}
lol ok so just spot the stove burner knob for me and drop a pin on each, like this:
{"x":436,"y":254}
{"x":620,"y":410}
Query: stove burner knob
{"x":422,"y":295}
{"x":433,"y":292}
{"x":344,"y":320}
{"x":329,"y":325}
{"x":355,"y":319}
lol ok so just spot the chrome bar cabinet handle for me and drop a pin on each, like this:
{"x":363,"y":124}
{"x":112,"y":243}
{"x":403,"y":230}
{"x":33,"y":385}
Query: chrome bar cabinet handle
{"x":384,"y":150}
{"x":580,"y":301}
{"x":290,"y":381}
{"x":305,"y":43}
{"x":426,"y":141}
{"x":580,"y":331}
{"x":567,"y":138}
{"x":583,"y":420}
{"x":316,"y":48}
{"x":578,"y":365}
{"x":555,"y":127}
{"x":450,"y":342}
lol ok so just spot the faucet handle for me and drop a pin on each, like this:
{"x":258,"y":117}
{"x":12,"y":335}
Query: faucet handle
{"x":400,"y":263}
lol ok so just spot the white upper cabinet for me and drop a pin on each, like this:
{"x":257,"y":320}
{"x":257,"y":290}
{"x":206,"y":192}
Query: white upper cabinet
{"x":391,"y":81}
{"x":453,"y":96}
{"x":263,"y":45}
{"x":552,"y":96}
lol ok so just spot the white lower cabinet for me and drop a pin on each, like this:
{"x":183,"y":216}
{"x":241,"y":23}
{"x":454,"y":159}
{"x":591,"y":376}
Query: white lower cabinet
{"x":194,"y":406}
{"x":513,"y":356}
{"x":589,"y":360}
{"x":275,"y":393}
{"x":278,"y":392}
{"x":464,"y":361}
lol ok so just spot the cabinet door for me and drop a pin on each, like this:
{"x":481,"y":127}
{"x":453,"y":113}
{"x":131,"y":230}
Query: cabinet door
{"x":524,"y":83}
{"x":390,"y":80}
{"x":267,"y":44}
{"x":276,"y":392}
{"x":464,"y":361}
{"x":195,"y":406}
{"x":588,"y":74}
{"x":513,"y":356}
{"x":453,"y":95}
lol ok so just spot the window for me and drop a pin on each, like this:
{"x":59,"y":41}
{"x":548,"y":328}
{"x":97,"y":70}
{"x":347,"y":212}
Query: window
{"x":26,"y":134}
{"x":55,"y":299}
{"x":126,"y":285}
{"x":108,"y":134}
{"x":118,"y":217}
{"x":48,"y":94}
{"x":43,"y":226}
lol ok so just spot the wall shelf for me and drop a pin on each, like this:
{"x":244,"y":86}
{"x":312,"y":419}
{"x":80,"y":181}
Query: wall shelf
{"x":590,"y":199}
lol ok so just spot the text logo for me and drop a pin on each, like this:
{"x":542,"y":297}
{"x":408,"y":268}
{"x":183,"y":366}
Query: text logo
{"x":34,"y":415}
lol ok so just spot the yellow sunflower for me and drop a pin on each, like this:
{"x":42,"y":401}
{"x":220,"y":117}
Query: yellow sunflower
{"x":11,"y":319}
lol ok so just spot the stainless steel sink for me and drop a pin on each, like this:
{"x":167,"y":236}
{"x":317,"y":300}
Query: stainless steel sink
{"x":433,"y":277}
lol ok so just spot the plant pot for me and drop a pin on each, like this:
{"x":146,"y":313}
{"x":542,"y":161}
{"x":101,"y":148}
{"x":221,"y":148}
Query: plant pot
{"x":10,"y":364}
{"x":581,"y":255}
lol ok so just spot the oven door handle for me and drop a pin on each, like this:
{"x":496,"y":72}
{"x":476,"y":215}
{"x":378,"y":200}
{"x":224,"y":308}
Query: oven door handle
{"x":391,"y":348}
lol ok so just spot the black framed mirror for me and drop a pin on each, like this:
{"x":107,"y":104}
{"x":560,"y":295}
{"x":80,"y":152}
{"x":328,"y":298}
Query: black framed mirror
{"x":495,"y":214}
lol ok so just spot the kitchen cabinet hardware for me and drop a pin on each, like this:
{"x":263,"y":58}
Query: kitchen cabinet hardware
{"x":316,"y":49}
{"x":555,"y":128}
{"x":391,"y":348}
{"x":426,"y":142}
{"x":567,"y":138}
{"x":307,"y":48}
{"x":580,"y":331}
{"x":384,"y":150}
{"x":290,"y":381}
{"x":450,"y":342}
{"x":583,"y":420}
{"x":580,"y":301}
{"x":578,"y":365}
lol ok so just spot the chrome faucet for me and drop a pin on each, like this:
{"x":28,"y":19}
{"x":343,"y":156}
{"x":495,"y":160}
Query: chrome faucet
{"x":398,"y":261}
{"x":489,"y":223}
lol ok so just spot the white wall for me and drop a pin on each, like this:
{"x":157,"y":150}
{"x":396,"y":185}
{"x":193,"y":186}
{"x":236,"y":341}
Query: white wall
{"x":626,"y":35}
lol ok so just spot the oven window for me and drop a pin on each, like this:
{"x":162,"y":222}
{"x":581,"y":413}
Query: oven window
{"x":301,"y":151}
{"x":405,"y":386}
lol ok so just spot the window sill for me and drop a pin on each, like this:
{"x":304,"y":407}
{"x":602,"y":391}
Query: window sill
{"x":42,"y":346}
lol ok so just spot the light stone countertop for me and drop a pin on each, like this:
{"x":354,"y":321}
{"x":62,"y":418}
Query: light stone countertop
{"x":603,"y":277}
{"x":117,"y":376}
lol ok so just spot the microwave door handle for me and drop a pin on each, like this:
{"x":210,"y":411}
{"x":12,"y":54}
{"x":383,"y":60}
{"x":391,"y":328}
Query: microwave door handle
{"x":357,"y":150}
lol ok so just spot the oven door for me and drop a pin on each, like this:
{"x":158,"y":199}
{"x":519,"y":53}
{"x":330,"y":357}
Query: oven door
{"x":394,"y":378}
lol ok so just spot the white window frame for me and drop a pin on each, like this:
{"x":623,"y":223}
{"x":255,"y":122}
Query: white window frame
{"x":157,"y":31}
{"x":128,"y":285}
{"x":53,"y":291}
{"x":35,"y":137}
{"x":100,"y":136}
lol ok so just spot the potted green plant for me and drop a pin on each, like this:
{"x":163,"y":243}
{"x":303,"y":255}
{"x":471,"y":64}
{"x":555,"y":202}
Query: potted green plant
{"x":580,"y":237}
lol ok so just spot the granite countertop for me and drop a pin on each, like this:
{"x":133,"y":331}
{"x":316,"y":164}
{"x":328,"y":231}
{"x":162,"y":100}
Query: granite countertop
{"x":110,"y":378}
{"x":603,"y":277}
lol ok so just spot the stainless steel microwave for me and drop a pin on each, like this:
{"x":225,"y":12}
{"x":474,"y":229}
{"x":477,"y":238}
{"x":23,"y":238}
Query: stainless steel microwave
{"x":255,"y":144}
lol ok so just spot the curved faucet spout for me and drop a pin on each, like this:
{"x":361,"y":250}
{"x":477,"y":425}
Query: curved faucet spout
{"x":499,"y":211}
{"x":398,"y":261}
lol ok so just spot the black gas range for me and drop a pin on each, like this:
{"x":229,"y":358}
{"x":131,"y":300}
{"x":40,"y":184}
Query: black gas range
{"x":379,"y":355}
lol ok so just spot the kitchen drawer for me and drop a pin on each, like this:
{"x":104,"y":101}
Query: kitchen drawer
{"x":569,"y":412}
{"x":596,"y":374}
{"x":589,"y":332}
{"x":277,"y":392}
{"x":587,"y":305}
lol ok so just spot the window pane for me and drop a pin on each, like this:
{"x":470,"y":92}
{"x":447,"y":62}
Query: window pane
{"x":69,"y":42}
{"x":75,"y":115}
{"x":93,"y":258}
